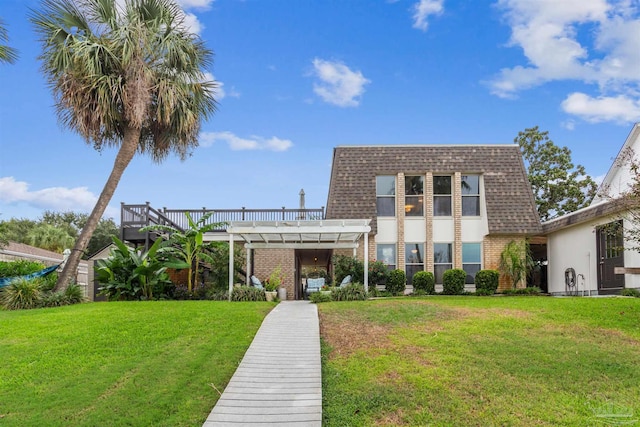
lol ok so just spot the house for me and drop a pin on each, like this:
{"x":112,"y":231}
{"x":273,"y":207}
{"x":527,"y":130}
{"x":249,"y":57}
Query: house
{"x":415,"y":207}
{"x":589,"y":250}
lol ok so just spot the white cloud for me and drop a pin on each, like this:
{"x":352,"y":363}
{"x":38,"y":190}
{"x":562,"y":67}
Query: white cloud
{"x":53,"y":198}
{"x":604,"y":108}
{"x":195,"y":4}
{"x":237,"y":143}
{"x":220,"y":92}
{"x":590,"y":41}
{"x":192,"y":24}
{"x":423,"y":10}
{"x":338,"y":84}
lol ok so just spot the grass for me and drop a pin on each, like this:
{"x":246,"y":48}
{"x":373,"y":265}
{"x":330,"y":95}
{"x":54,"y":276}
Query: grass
{"x":121,"y":363}
{"x":517,"y":361}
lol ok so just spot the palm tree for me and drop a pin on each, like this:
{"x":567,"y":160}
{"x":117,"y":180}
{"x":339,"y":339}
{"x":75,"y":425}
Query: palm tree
{"x":7,"y":53}
{"x":126,"y":74}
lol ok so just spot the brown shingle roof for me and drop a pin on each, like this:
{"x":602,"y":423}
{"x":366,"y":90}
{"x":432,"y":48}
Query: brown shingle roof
{"x":509,"y":198}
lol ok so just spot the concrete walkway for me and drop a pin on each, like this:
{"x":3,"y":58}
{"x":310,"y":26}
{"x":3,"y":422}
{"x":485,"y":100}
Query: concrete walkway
{"x":279,"y":379}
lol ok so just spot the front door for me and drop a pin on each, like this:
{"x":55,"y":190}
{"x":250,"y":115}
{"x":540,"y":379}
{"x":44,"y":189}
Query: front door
{"x":610,"y":255}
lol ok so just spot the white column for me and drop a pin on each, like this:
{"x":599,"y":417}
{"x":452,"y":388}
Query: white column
{"x":230,"y":265}
{"x":366,"y":262}
{"x":249,"y":272}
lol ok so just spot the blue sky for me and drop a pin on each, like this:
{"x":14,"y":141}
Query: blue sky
{"x":299,"y":77}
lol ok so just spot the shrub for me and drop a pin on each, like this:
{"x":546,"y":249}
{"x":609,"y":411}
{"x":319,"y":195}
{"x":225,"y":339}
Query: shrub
{"x":453,"y":281}
{"x":19,"y":268}
{"x":73,"y":294}
{"x":317,"y":297}
{"x":484,"y":292}
{"x":378,"y":273}
{"x":346,"y":265}
{"x":487,"y":281}
{"x":351,"y":292}
{"x":630,"y":292}
{"x":396,"y":282}
{"x":20,"y":294}
{"x":424,"y":281}
{"x":534,"y":290}
{"x":247,"y":293}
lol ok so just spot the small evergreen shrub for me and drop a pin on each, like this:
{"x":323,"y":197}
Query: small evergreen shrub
{"x":346,"y":265}
{"x":453,"y":281}
{"x":247,"y":293}
{"x":351,"y":292}
{"x":20,"y":294}
{"x":318,"y":297}
{"x":73,"y":294}
{"x":424,"y":281}
{"x":378,"y":273}
{"x":630,"y":292}
{"x":487,"y":281}
{"x":483,"y":292}
{"x":19,"y":268}
{"x":396,"y":282}
{"x":533,"y":290}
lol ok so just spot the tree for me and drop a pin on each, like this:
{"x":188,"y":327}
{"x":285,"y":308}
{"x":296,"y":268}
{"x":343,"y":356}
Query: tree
{"x":7,"y":53}
{"x":124,"y":74}
{"x":49,"y":237}
{"x":187,"y":248}
{"x":558,"y":186}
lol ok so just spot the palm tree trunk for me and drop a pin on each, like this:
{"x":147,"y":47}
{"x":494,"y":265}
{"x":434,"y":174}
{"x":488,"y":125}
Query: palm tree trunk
{"x":123,"y":158}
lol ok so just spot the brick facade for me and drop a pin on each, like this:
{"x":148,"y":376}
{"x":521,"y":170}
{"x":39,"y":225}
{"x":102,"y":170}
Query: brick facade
{"x":266,"y":260}
{"x":492,"y":248}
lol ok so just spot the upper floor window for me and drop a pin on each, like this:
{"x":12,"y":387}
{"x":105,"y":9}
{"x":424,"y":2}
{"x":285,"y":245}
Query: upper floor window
{"x":387,"y":254}
{"x":386,"y":195}
{"x":471,"y":260}
{"x":442,"y":196}
{"x":413,"y":259}
{"x":470,"y":195}
{"x":414,"y":195}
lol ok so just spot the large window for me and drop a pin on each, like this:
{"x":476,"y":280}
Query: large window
{"x":441,"y":196}
{"x":387,"y":254}
{"x":471,"y":260}
{"x":386,"y":195}
{"x":414,"y":195}
{"x":470,"y":195}
{"x":442,"y":260}
{"x":413,"y":259}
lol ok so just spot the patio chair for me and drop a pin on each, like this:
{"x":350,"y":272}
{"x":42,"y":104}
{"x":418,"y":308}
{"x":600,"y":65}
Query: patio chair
{"x":345,"y":281}
{"x":314,"y":285}
{"x":255,"y":282}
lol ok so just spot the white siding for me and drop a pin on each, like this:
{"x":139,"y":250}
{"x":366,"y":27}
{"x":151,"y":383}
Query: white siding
{"x":387,"y":230}
{"x":415,"y":230}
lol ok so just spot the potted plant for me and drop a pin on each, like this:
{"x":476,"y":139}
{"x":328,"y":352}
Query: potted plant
{"x":272,"y":284}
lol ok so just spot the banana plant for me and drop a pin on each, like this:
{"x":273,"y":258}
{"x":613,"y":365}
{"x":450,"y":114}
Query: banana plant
{"x":186,"y":248}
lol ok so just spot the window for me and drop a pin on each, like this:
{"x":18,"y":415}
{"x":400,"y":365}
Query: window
{"x":413,"y":259}
{"x":386,"y":195}
{"x":442,"y":260}
{"x":387,"y":254}
{"x":470,"y":195}
{"x":414,"y":195}
{"x":471,"y":260}
{"x":441,"y":196}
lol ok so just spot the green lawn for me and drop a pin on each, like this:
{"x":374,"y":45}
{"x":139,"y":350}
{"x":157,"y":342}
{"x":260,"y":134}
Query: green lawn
{"x":122,"y":363}
{"x":481,"y":361}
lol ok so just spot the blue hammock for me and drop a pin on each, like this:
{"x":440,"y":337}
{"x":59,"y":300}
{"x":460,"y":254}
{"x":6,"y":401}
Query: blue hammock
{"x":4,"y":281}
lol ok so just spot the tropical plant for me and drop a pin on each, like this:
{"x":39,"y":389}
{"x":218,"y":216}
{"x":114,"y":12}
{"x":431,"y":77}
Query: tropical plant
{"x":247,"y":293}
{"x":20,"y":294}
{"x":129,"y":274}
{"x":487,"y":281}
{"x":318,"y":297}
{"x":186,"y":248}
{"x":396,"y":282}
{"x":424,"y":281}
{"x":274,"y":281}
{"x":453,"y":281}
{"x":49,"y":237}
{"x":127,"y":74}
{"x":352,"y":292}
{"x":7,"y":53}
{"x":515,"y":261}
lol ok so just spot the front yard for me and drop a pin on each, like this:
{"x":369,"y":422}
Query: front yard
{"x":518,"y":361}
{"x":157,"y":363}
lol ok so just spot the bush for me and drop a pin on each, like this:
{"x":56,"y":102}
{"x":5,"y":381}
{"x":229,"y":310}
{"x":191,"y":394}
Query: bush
{"x":378,"y":273}
{"x":453,"y":281}
{"x":534,"y":290}
{"x":630,"y":292}
{"x":424,"y":281}
{"x":19,"y":268}
{"x":20,"y":294}
{"x":483,"y":292}
{"x":73,"y":294}
{"x":487,"y":281}
{"x":346,"y":265}
{"x":396,"y":282}
{"x":318,"y":297}
{"x":247,"y":293}
{"x":351,"y":292}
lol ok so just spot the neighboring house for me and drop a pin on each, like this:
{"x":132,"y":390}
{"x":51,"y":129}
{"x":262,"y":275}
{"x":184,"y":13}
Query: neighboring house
{"x":582,"y":249}
{"x":19,"y":251}
{"x":435,"y":207}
